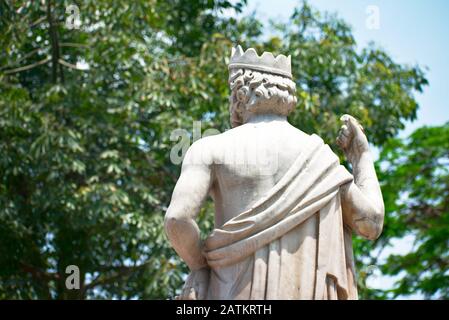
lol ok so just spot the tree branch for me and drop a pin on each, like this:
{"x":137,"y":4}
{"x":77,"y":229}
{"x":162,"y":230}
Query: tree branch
{"x":26,"y":56}
{"x":55,"y":52}
{"x":38,"y":273}
{"x":38,"y":21}
{"x":122,"y":271}
{"x":27,"y":67}
{"x":73,"y":45}
{"x":69,"y":65}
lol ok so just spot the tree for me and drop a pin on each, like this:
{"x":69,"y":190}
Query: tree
{"x":415,"y":185}
{"x":86,"y":117}
{"x":84,"y":167}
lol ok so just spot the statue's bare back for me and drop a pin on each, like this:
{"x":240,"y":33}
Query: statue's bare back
{"x":248,"y":161}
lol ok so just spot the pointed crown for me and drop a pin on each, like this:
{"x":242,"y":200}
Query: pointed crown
{"x":280,"y":65}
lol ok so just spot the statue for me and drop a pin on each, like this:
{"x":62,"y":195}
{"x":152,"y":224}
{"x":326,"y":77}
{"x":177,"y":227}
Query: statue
{"x":285,"y":209}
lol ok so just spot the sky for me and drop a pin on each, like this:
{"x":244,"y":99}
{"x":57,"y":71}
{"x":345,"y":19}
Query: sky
{"x":411,"y":32}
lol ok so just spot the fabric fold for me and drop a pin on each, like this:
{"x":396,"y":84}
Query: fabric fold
{"x":312,"y":180}
{"x":309,"y":188}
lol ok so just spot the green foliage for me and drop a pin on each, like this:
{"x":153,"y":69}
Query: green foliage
{"x":85,"y":166}
{"x":86,"y":116}
{"x":415,"y":184}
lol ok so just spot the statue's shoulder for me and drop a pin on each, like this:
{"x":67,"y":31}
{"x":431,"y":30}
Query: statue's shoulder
{"x":305,"y":138}
{"x":313,"y":143}
{"x":317,"y":143}
{"x":204,"y":150}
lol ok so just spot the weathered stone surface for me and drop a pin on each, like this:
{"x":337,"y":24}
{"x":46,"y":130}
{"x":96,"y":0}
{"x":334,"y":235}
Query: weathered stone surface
{"x":285,"y":209}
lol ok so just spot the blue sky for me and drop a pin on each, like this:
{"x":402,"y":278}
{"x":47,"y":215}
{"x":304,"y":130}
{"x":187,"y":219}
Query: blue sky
{"x":411,"y":31}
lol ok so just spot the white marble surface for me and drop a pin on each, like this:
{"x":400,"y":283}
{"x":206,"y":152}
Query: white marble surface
{"x":285,"y":209}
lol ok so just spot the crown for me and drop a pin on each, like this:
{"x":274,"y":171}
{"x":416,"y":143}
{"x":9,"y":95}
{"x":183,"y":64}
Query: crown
{"x":249,"y":59}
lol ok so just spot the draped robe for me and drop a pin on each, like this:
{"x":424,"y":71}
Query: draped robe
{"x":292,"y":243}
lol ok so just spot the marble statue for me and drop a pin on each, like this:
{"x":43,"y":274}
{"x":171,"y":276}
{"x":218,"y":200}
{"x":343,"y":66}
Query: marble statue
{"x":285,"y":209}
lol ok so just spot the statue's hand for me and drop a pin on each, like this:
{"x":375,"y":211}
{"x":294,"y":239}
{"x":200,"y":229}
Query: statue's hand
{"x":351,"y":139}
{"x":196,"y":285}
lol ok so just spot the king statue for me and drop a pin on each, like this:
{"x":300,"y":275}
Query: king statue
{"x":285,"y":209}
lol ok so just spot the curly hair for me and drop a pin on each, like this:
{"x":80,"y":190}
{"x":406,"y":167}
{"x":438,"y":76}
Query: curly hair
{"x":255,"y":92}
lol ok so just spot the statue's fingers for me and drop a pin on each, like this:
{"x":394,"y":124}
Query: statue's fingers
{"x":342,"y":142}
{"x":339,"y":141}
{"x":345,"y":118}
{"x":344,"y":130}
{"x":361,"y":128}
{"x":354,"y":125}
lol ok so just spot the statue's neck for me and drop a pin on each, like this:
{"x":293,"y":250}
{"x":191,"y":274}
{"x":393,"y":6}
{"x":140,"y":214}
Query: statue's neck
{"x":258,"y":118}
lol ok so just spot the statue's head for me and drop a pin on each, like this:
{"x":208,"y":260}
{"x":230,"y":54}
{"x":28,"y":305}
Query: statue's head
{"x":259,"y":85}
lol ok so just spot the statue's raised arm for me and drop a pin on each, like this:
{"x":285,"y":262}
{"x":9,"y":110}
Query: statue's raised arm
{"x":362,"y":202}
